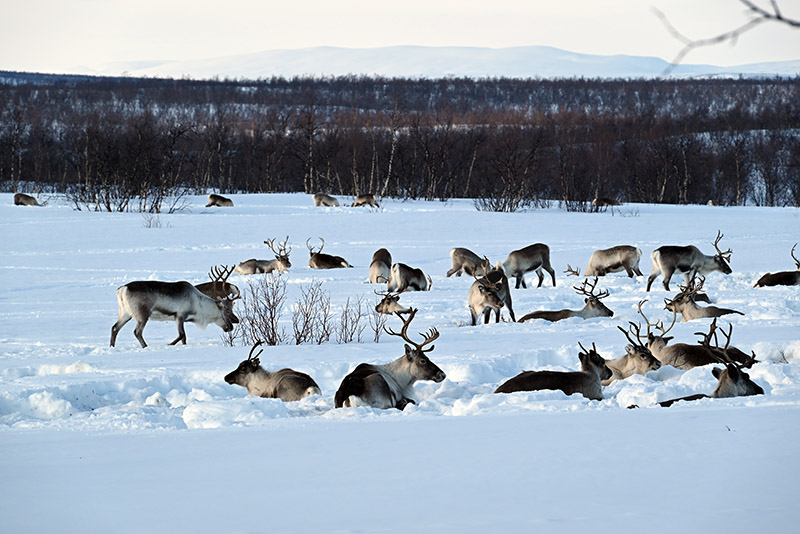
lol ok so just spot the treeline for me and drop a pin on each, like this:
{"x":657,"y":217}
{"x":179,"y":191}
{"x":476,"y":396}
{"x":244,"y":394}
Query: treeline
{"x":124,"y":143}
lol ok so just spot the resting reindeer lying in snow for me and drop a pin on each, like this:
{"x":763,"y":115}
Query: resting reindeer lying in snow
{"x":782,"y":278}
{"x":219,"y":201}
{"x":286,"y":384}
{"x":318,"y":260}
{"x":390,"y":385}
{"x":685,"y":304}
{"x":390,"y":304}
{"x":379,"y":268}
{"x":593,"y":307}
{"x":281,"y":262}
{"x":638,"y":359}
{"x":219,"y":287}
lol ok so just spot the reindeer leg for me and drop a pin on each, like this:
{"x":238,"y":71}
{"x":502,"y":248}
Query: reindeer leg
{"x":541,"y":277}
{"x":521,"y":280}
{"x":181,"y":331}
{"x":474,"y":316}
{"x":487,"y":313}
{"x":122,"y":320}
{"x":510,"y":309}
{"x":667,"y":277}
{"x":139,"y":329}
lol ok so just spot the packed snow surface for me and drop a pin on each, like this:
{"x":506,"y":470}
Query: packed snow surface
{"x":125,"y":439}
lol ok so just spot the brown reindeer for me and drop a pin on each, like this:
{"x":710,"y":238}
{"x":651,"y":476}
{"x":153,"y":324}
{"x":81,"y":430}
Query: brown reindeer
{"x":689,"y":261}
{"x":219,"y":287}
{"x":587,"y":382}
{"x":685,"y":304}
{"x":318,"y":260}
{"x":286,"y":384}
{"x":531,"y":258}
{"x":638,"y":359}
{"x":219,"y":201}
{"x":783,"y":278}
{"x":281,"y":262}
{"x":464,"y":260}
{"x":21,"y":199}
{"x":593,"y":307}
{"x":321,"y":199}
{"x":613,"y":260}
{"x":366,"y":200}
{"x":379,"y":268}
{"x":390,"y":304}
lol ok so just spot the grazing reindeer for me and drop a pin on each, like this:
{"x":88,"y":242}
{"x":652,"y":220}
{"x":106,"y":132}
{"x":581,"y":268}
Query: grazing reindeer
{"x":613,"y":260}
{"x":593,"y":307}
{"x":366,"y":200}
{"x":321,"y":199}
{"x":681,"y":355}
{"x":170,"y":301}
{"x":286,"y":384}
{"x":464,"y":260}
{"x":531,"y":258}
{"x":587,"y":382}
{"x":783,"y":278}
{"x":638,"y":359}
{"x":684,"y":303}
{"x":402,"y":278}
{"x":281,"y":262}
{"x":569,"y":271}
{"x":732,"y":381}
{"x":601,"y":202}
{"x":21,"y":199}
{"x":389,"y":304}
{"x":224,"y":289}
{"x":379,"y":269}
{"x":689,"y":261}
{"x":318,"y":260}
{"x":389,"y":385}
{"x":219,"y":201}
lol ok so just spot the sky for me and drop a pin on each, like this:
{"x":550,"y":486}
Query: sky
{"x":55,"y":35}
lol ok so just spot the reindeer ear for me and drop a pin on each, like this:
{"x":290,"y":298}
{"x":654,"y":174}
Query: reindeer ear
{"x":586,"y":301}
{"x":629,"y":349}
{"x":716,"y":371}
{"x":410,"y":353}
{"x":668,"y":339}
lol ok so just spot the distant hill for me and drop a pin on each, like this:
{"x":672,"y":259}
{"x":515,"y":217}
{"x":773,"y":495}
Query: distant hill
{"x":431,"y":62}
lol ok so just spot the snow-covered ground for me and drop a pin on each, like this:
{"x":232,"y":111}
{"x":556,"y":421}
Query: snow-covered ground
{"x":99,"y":439}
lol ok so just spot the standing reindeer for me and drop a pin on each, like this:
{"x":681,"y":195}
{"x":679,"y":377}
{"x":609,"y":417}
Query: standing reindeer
{"x":464,"y":260}
{"x":783,"y":278}
{"x":613,"y":260}
{"x":281,"y":262}
{"x":321,"y":199}
{"x":366,"y":200}
{"x":286,"y":384}
{"x":531,"y":258}
{"x":638,"y":359}
{"x":219,"y":201}
{"x":402,"y":278}
{"x":21,"y":199}
{"x":390,"y":304}
{"x":685,"y":304}
{"x":390,"y":385}
{"x":593,"y":307}
{"x":318,"y":260}
{"x":379,"y":269}
{"x":170,"y":301}
{"x":587,"y":382}
{"x":219,"y":287}
{"x":491,"y":292}
{"x":689,"y":261}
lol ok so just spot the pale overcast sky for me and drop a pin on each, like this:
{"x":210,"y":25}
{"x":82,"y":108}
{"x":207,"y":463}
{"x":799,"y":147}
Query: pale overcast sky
{"x":52,"y":35}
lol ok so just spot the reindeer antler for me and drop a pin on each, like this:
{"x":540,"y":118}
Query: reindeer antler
{"x":255,"y":358}
{"x":724,"y":255}
{"x":687,"y":291}
{"x":594,"y":349}
{"x":311,"y":249}
{"x":429,"y":337}
{"x":582,"y":290}
{"x":659,"y":325}
{"x":221,"y":274}
{"x":796,"y":261}
{"x":572,"y":272}
{"x":282,"y":251}
{"x":634,"y":329}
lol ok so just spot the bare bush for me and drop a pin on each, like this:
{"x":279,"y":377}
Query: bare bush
{"x":260,"y":312}
{"x":377,"y":321}
{"x":350,"y":325}
{"x":311,"y":315}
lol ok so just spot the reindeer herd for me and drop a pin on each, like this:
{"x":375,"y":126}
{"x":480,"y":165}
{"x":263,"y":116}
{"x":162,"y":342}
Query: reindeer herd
{"x":390,"y":385}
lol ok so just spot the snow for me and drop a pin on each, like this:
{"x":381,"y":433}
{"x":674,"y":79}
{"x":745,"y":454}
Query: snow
{"x":125,"y":439}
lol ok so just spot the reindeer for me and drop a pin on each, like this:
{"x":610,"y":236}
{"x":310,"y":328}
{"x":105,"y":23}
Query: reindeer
{"x":601,"y":202}
{"x":318,"y":260}
{"x":21,"y":199}
{"x":281,"y":262}
{"x":219,"y":275}
{"x":379,"y":268}
{"x":464,"y":260}
{"x":732,"y":381}
{"x":783,"y":278}
{"x":587,"y":382}
{"x":366,"y":200}
{"x":389,"y":304}
{"x":689,"y":261}
{"x":685,"y":304}
{"x":593,"y":307}
{"x":390,"y":385}
{"x":681,"y":355}
{"x":219,"y":201}
{"x":286,"y":384}
{"x":321,"y":199}
{"x":613,"y":260}
{"x":488,"y":293}
{"x":170,"y":301}
{"x":531,"y":258}
{"x":638,"y":359}
{"x":402,"y":278}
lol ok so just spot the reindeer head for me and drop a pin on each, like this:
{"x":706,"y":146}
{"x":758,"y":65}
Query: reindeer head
{"x":644,"y":360}
{"x":732,"y":380}
{"x":389,"y":304}
{"x":656,"y":341}
{"x":282,"y":253}
{"x":722,"y":258}
{"x":686,"y":295}
{"x":591,"y":361}
{"x":245,"y":368}
{"x":592,"y":300}
{"x":311,"y":250}
{"x":421,"y":368}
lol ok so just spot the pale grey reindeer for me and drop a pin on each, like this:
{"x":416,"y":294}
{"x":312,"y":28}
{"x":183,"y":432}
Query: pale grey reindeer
{"x":219,"y":201}
{"x":366,"y":200}
{"x":531,"y":258}
{"x":219,"y":287}
{"x":390,"y":385}
{"x":281,"y":262}
{"x":379,"y":268}
{"x":685,"y":304}
{"x":403,"y":278}
{"x":613,"y":260}
{"x":170,"y":301}
{"x":638,"y":359}
{"x":464,"y":260}
{"x":490,"y":292}
{"x":682,"y":355}
{"x":21,"y":199}
{"x":587,"y":381}
{"x":285,"y":384}
{"x":321,"y":199}
{"x":689,"y":261}
{"x":389,"y":304}
{"x":318,"y":260}
{"x":593,"y":306}
{"x":782,"y":278}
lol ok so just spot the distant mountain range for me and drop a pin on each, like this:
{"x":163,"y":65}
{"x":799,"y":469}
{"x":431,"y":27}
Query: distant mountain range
{"x":431,"y":62}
